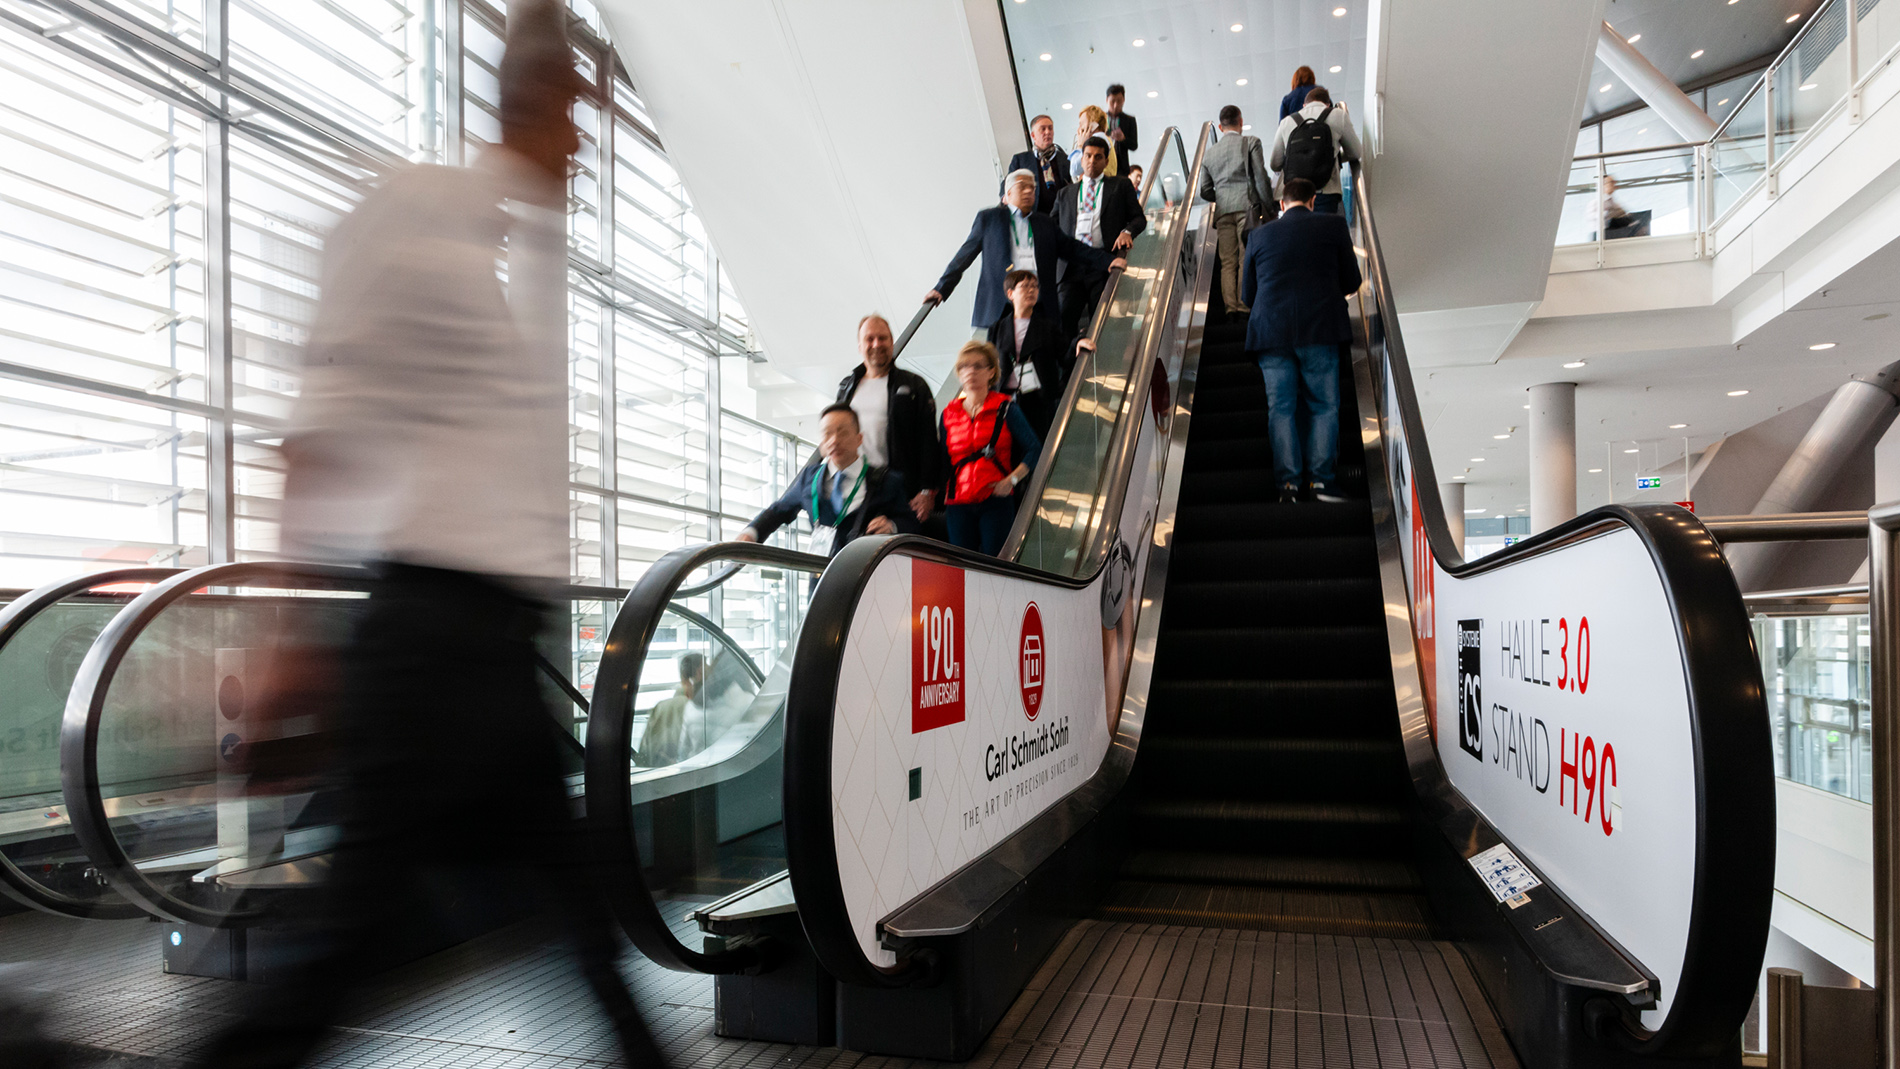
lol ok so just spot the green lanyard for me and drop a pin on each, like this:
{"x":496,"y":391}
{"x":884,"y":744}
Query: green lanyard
{"x":848,"y":498}
{"x":1029,"y":234}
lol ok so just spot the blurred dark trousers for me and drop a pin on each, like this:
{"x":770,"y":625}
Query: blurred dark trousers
{"x":1329,"y":203}
{"x":451,"y":765}
{"x":983,"y":526}
{"x":1302,"y":378}
{"x":1078,"y":291}
{"x":1231,"y":230}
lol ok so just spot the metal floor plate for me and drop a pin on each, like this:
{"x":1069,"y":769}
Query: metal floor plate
{"x":1112,"y":994}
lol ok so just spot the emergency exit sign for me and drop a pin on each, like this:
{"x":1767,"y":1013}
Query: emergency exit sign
{"x":1649,"y":482}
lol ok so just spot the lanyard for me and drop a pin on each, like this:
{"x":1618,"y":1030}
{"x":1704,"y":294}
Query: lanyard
{"x":824,"y":477}
{"x":1028,"y":233}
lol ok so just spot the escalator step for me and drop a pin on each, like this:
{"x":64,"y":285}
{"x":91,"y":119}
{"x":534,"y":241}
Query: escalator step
{"x":1315,"y":601}
{"x":1185,"y":768}
{"x":1330,"y":829}
{"x":1330,"y":873}
{"x":1398,"y":916}
{"x":1286,"y":558}
{"x":1283,"y":652}
{"x":1256,"y":484}
{"x":1272,"y":519}
{"x":1284,"y":708}
{"x":1234,"y":374}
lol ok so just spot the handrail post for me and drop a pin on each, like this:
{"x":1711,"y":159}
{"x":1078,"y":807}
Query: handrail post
{"x":1883,"y":597}
{"x":1603,"y":194}
{"x":1768,"y":127}
{"x":1853,"y":61}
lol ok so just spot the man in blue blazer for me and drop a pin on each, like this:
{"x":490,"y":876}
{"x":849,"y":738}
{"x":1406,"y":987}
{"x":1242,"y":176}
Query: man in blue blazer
{"x":1299,"y":270}
{"x":1014,"y":234}
{"x":843,"y":493}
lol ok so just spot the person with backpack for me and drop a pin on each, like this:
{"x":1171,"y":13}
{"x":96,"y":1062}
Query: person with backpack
{"x":991,"y":449}
{"x":1311,"y":143}
{"x":1235,"y":179}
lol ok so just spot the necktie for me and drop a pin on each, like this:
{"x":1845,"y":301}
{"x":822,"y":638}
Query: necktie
{"x":837,"y":495}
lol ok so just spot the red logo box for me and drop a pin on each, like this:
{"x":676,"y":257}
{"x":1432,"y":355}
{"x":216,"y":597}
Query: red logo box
{"x":936,"y":645}
{"x":1029,"y":644}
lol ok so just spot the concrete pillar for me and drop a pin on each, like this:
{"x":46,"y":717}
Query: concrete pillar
{"x":1553,"y":454}
{"x":1453,"y":495}
{"x":1672,"y":105}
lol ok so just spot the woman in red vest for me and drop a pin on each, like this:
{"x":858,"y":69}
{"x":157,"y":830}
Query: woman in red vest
{"x":992,"y":449}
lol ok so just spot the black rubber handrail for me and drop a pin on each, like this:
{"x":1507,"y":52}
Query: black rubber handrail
{"x":610,"y":744}
{"x":20,"y":612}
{"x":1735,"y":805}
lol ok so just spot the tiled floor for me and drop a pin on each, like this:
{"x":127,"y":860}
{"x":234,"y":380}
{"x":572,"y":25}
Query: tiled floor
{"x":1111,"y":994}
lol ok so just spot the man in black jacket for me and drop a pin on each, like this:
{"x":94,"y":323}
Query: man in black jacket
{"x":897,"y":414}
{"x":1101,"y":212}
{"x":846,"y":496}
{"x":1049,"y":163}
{"x":1036,"y":356}
{"x":1121,"y":127}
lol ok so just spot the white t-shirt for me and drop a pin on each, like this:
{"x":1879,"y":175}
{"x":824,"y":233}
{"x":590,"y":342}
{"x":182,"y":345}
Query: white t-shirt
{"x":1022,"y":373}
{"x":1022,"y":243}
{"x":872,"y":403}
{"x":1088,"y":210}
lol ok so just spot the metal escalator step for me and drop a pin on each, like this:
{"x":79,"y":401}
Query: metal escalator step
{"x":1242,"y":602}
{"x":1341,"y":814}
{"x":1338,"y":873}
{"x":1400,"y":916}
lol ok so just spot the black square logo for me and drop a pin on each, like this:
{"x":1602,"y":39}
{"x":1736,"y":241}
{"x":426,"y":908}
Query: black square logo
{"x":1471,"y":688}
{"x":916,"y":783}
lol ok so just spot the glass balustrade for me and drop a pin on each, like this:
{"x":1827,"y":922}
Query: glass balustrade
{"x":1818,"y":671}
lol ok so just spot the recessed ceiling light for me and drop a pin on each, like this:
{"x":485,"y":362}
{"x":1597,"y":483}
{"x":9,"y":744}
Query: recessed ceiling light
{"x":1138,"y":42}
{"x":1635,"y":37}
{"x":1500,"y":437}
{"x":1246,"y":126}
{"x":1240,"y":81}
{"x":1576,"y":363}
{"x":1697,"y":54}
{"x":1677,"y":426}
{"x":1877,"y":315}
{"x":1473,"y":512}
{"x":1596,"y":471}
{"x":1792,"y":17}
{"x":1520,"y":508}
{"x":1152,"y":94}
{"x":1738,"y":393}
{"x":1066,"y":107}
{"x":1817,"y":347}
{"x":1339,"y":12}
{"x":1721,"y":102}
{"x":1527,"y":406}
{"x":1644,"y":130}
{"x":1236,"y":27}
{"x":1604,"y":88}
{"x":1334,"y":69}
{"x":1477,"y":460}
{"x":1807,"y":87}
{"x":1629,"y":450}
{"x":1046,"y":57}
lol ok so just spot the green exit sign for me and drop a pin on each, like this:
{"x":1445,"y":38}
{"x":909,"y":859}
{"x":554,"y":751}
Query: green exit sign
{"x":1649,"y":482}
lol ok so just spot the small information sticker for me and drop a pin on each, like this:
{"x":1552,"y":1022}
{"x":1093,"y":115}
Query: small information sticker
{"x":1507,"y":877}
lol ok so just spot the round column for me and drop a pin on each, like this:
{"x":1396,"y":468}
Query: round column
{"x":1553,"y":454}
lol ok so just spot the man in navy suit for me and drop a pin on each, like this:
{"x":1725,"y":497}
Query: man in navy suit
{"x":845,"y":496}
{"x":1299,"y":270}
{"x":1043,"y":159}
{"x":1014,"y":235}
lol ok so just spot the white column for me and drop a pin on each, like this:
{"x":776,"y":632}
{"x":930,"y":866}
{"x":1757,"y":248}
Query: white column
{"x":1453,"y":495}
{"x":1553,"y":454}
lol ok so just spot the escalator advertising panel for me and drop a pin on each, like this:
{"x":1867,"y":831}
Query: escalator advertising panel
{"x":1559,"y":707}
{"x":998,"y":694}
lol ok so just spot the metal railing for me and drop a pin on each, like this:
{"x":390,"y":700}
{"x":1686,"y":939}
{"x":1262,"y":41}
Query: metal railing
{"x":1821,"y":74}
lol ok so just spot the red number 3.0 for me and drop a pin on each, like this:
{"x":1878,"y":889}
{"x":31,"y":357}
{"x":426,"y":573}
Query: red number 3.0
{"x":1574,"y":677}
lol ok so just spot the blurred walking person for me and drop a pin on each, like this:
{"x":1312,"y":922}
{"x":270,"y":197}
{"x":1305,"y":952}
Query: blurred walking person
{"x":430,"y":442}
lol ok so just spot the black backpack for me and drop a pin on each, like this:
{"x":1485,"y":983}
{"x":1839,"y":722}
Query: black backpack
{"x":1309,"y":150}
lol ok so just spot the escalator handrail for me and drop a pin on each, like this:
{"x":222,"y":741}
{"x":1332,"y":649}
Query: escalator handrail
{"x":610,"y":744}
{"x":1734,"y":868}
{"x":18,"y":613}
{"x":85,"y":705}
{"x":1085,"y":364}
{"x":810,"y":839}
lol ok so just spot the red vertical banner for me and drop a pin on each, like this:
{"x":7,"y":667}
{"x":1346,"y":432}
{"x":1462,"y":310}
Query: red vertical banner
{"x":936,"y":645}
{"x":1425,"y":614}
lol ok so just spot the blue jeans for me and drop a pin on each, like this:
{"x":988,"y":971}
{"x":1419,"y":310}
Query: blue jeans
{"x":1329,"y":203}
{"x":984,"y":525}
{"x":1302,"y":376}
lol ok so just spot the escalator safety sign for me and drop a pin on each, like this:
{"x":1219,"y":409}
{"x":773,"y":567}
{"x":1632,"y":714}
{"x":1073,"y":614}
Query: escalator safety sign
{"x":936,"y":645}
{"x":1029,"y":646}
{"x":1506,"y":876}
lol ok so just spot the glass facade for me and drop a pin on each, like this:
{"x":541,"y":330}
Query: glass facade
{"x":1819,"y":675}
{"x":168,"y":171}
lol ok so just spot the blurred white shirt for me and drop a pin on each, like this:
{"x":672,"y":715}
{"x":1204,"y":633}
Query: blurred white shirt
{"x":433,"y":424}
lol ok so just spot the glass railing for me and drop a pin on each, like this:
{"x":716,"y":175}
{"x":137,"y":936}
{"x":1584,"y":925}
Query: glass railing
{"x":1068,"y":504}
{"x":1819,"y":675}
{"x":1692,"y":188}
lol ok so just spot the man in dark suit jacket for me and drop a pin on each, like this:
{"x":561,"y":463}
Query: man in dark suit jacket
{"x":1013,"y":234}
{"x":1102,"y":213}
{"x":843,"y":494}
{"x":1048,"y":163}
{"x":897,"y":416}
{"x":1121,"y":127}
{"x":1035,"y":354}
{"x":1299,"y":270}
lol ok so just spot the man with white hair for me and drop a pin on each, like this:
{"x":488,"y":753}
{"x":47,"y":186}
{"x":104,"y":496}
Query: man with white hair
{"x":1013,"y":235}
{"x":430,"y":444}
